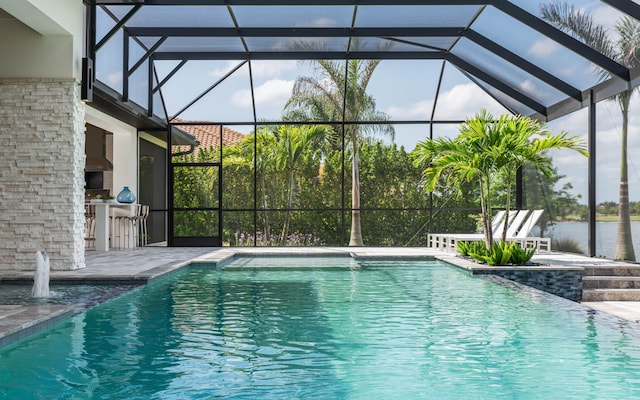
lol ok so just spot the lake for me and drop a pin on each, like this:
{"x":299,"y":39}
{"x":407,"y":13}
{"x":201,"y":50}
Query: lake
{"x":606,"y":234}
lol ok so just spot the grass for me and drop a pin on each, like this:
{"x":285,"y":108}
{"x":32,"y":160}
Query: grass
{"x":614,"y":218}
{"x":599,"y":218}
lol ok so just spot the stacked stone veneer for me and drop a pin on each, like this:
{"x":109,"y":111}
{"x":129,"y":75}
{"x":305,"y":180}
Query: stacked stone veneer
{"x":41,"y":173}
{"x":563,"y":282}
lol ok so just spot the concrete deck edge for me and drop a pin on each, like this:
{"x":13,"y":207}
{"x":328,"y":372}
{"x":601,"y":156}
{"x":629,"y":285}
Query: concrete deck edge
{"x":23,"y":323}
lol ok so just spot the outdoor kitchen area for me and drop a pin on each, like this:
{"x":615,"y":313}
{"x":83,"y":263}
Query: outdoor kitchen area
{"x":98,"y":173}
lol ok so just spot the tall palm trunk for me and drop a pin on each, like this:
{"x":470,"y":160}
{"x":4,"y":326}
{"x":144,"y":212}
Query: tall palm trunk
{"x":356,"y":229}
{"x":287,"y":216}
{"x":505,"y":226}
{"x":484,"y":212}
{"x":265,"y":206}
{"x":624,"y":242}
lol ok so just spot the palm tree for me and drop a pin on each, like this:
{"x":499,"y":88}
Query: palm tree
{"x":458,"y":160}
{"x":323,"y":98}
{"x":626,"y":51}
{"x":292,"y":141}
{"x":487,"y":147}
{"x":456,"y":163}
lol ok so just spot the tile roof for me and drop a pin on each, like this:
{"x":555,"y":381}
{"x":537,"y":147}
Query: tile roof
{"x":209,"y":135}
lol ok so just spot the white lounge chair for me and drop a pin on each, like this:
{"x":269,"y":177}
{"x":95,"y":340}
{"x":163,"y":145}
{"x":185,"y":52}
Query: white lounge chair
{"x":540,"y":244}
{"x":521,"y":222}
{"x":515,"y":224}
{"x":447,"y":241}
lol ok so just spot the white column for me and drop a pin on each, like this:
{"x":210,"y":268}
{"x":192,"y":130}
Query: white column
{"x":102,"y":226}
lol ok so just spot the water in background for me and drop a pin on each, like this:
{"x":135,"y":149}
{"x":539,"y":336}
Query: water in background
{"x":606,"y":234}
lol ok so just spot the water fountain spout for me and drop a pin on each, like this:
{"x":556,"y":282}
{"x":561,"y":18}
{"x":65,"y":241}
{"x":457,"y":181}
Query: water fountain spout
{"x":41,"y":278}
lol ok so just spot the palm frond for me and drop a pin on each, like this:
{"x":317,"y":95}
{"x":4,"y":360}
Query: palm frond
{"x":322,"y":97}
{"x":580,"y":25}
{"x":629,"y":41}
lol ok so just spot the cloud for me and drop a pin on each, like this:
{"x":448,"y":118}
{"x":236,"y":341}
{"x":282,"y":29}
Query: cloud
{"x":569,"y":158}
{"x":266,"y":69}
{"x":114,"y":78}
{"x":323,"y":22}
{"x":535,"y":90}
{"x":460,"y":102}
{"x":221,"y":70}
{"x":417,"y":110}
{"x":466,"y":100}
{"x":261,"y":69}
{"x":544,"y":48}
{"x":607,"y":17}
{"x":271,"y":92}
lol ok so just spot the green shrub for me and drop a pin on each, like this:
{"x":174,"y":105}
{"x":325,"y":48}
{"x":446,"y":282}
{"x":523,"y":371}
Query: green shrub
{"x":466,"y":248}
{"x":499,"y":253}
{"x":521,"y":256}
{"x":567,"y":246}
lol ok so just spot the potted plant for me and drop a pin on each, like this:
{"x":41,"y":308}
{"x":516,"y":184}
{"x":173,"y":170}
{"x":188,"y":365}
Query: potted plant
{"x":106,"y":198}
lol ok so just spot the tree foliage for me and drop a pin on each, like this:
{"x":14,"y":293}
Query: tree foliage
{"x":394,"y":199}
{"x":486,"y":148}
{"x":338,"y":94}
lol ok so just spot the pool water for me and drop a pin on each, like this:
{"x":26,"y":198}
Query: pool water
{"x":263,"y":329}
{"x":85,"y":296}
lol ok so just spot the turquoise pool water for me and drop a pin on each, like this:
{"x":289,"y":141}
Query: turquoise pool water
{"x":263,"y":329}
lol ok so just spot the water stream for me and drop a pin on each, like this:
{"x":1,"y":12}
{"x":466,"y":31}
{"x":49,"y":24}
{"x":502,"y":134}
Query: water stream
{"x":41,"y":279}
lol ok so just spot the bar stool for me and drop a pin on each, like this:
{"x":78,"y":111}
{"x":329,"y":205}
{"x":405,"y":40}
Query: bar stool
{"x":129,"y":229}
{"x":89,"y":226}
{"x":122,"y":229}
{"x":141,"y":225}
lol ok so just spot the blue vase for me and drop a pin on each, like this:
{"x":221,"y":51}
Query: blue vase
{"x":126,"y":196}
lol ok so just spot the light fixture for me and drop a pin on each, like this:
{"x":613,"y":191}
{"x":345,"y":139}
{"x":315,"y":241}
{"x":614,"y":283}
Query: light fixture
{"x":86,"y":88}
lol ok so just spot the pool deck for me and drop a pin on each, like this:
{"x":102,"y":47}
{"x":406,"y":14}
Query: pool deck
{"x":142,"y":265}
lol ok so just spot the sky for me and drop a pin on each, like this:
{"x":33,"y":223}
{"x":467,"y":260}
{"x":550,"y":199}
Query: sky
{"x":406,"y":90}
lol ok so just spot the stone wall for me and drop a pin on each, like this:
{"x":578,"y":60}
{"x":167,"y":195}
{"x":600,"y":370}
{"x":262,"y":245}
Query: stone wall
{"x":563,"y":282}
{"x":41,"y":173}
{"x":560,"y":280}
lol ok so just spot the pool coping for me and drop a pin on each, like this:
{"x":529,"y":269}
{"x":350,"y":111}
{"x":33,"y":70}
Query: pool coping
{"x":18,"y":323}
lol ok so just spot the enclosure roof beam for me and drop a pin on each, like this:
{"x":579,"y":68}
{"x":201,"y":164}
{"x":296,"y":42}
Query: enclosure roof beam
{"x":300,"y":55}
{"x":118,"y":26}
{"x":497,"y":83}
{"x":296,"y":32}
{"x":626,"y":6}
{"x":294,"y":2}
{"x":564,"y":39}
{"x":525,"y":65}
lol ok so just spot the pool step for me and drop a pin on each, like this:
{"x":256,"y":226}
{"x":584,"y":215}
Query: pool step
{"x":611,"y":270}
{"x":613,"y":282}
{"x":611,"y":295}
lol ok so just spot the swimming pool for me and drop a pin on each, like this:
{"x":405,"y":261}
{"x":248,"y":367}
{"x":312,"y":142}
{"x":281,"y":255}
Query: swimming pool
{"x":333,"y":329}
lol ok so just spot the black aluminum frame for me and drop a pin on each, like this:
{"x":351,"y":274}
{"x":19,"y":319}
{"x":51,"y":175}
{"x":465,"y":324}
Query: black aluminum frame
{"x":621,"y":77}
{"x":192,"y":241}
